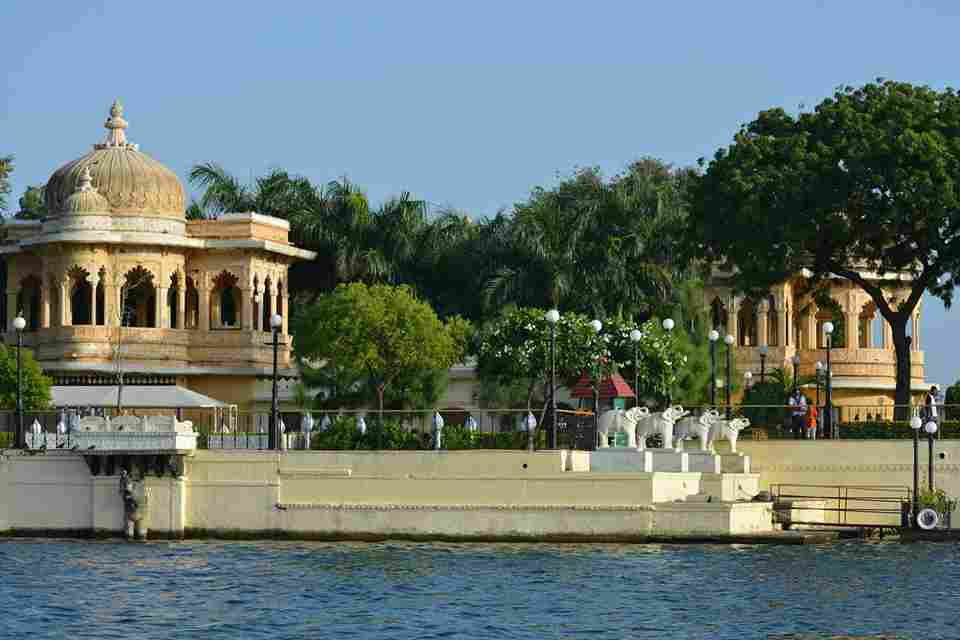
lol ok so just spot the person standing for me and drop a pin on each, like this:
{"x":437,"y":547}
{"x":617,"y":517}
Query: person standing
{"x":812,"y":415}
{"x":798,"y":412}
{"x":930,"y":405}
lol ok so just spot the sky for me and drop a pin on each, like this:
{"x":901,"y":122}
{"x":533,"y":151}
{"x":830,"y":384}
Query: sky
{"x":463,"y":104}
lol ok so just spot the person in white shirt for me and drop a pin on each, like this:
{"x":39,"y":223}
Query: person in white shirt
{"x":798,"y":412}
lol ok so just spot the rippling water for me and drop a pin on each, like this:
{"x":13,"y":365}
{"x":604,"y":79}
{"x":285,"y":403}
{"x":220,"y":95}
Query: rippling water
{"x":57,"y":589}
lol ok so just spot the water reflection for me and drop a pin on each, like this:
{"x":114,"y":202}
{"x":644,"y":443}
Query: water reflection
{"x":408,"y":590}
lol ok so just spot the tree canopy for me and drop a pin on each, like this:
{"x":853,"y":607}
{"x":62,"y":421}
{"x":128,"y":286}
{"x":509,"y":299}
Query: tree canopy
{"x":36,"y":386}
{"x":6,"y":168}
{"x":377,"y":337}
{"x":866,"y":183}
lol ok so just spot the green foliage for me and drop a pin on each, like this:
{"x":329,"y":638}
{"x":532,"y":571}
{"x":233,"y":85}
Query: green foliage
{"x":32,"y":204}
{"x":938,"y":501}
{"x":378,"y":338}
{"x":952,"y":397}
{"x":343,"y":435}
{"x":899,"y":430}
{"x":867,"y":181}
{"x":6,"y":168}
{"x":36,"y":386}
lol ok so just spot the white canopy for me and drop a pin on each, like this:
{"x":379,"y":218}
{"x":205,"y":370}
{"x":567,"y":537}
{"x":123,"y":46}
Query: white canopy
{"x":134,"y":396}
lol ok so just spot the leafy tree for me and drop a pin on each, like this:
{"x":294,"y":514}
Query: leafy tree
{"x":952,"y":397}
{"x":379,"y":333}
{"x":36,"y":386}
{"x":32,"y":205}
{"x":868,"y":182}
{"x":6,"y":168}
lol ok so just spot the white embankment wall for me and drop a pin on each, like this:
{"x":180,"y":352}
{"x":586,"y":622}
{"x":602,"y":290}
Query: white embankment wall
{"x":456,"y":495}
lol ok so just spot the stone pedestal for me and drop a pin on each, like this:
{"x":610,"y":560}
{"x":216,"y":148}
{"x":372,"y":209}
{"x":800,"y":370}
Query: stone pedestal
{"x":704,"y":462}
{"x":620,"y":460}
{"x":670,"y":460}
{"x":730,"y":487}
{"x":734,"y":463}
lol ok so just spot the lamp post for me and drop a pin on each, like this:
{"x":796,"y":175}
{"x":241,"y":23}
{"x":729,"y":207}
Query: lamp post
{"x":596,"y":325}
{"x":714,"y":335}
{"x":764,"y":349}
{"x":553,"y":317}
{"x":728,"y":340}
{"x":747,"y":379}
{"x":931,"y":429}
{"x":274,"y":436}
{"x":828,"y":400}
{"x":668,"y":327}
{"x":915,"y":424}
{"x":19,"y":324}
{"x":635,"y":336}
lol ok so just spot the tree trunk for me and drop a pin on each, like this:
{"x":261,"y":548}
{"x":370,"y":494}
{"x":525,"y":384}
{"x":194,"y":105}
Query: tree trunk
{"x":902,"y":346}
{"x":380,"y":389}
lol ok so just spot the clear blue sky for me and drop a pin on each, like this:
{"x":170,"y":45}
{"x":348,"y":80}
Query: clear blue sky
{"x":462,"y":103}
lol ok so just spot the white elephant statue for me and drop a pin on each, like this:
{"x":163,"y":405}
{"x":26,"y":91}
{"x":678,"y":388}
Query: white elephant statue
{"x":661,"y":423}
{"x":729,"y":430}
{"x":690,"y":427}
{"x":618,"y":420}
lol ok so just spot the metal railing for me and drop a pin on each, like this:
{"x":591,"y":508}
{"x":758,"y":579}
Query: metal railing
{"x":860,"y":506}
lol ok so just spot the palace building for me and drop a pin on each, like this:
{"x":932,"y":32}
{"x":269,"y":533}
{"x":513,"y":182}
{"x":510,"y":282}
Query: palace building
{"x":115,"y":275}
{"x":789,"y":322}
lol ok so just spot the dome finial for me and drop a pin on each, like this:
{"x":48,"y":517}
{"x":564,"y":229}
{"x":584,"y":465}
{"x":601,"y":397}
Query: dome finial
{"x":115,"y":124}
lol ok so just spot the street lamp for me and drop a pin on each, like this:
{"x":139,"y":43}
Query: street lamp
{"x":596,"y":325}
{"x":828,"y":401}
{"x":764,"y":349}
{"x":635,"y":336}
{"x":714,"y":335}
{"x":274,"y":436}
{"x":668,"y":327}
{"x":553,"y":317}
{"x":19,"y":324}
{"x":931,"y":429}
{"x":728,"y":340}
{"x":747,"y":378}
{"x":915,"y":424}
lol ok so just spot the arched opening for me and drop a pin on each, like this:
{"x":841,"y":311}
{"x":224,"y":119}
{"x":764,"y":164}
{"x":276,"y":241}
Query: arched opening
{"x":225,"y":302}
{"x":173,"y":296}
{"x":830,"y":311}
{"x":81,"y":296}
{"x":267,"y":303}
{"x":28,"y":301}
{"x":101,"y":299}
{"x":138,"y":299}
{"x":192,"y":303}
{"x":280,"y":297}
{"x":718,"y":315}
{"x":773,"y":322}
{"x":747,"y":323}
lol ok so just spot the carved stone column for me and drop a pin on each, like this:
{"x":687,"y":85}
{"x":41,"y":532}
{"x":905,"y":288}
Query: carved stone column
{"x":182,"y":306}
{"x":813,"y":340}
{"x":286,"y":311}
{"x":204,"y":294}
{"x":852,"y":319}
{"x":763,"y":307}
{"x":94,"y":281}
{"x":273,"y":305}
{"x":915,"y":319}
{"x":163,"y":313}
{"x":887,"y":336}
{"x":733,"y":319}
{"x":246,"y":304}
{"x":109,"y":303}
{"x":65,"y":320}
{"x":45,"y":294}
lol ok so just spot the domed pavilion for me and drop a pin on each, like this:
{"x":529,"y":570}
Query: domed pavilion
{"x":115,"y":267}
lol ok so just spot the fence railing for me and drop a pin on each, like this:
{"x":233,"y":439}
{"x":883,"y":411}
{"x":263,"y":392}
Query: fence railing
{"x":483,"y":428}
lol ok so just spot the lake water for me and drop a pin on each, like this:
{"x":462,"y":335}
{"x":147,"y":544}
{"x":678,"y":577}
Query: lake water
{"x":106,"y":590}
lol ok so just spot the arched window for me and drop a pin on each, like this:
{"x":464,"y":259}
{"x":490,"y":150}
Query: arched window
{"x":267,"y":303}
{"x":830,"y":312}
{"x":138,"y":299}
{"x":192,"y":303}
{"x":173,"y":297}
{"x":225,"y":302}
{"x":81,"y":296}
{"x":718,"y":315}
{"x":747,"y":323}
{"x":29,"y":302}
{"x":865,"y":329}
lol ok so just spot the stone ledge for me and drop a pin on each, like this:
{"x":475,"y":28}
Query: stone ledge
{"x":331,"y":506}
